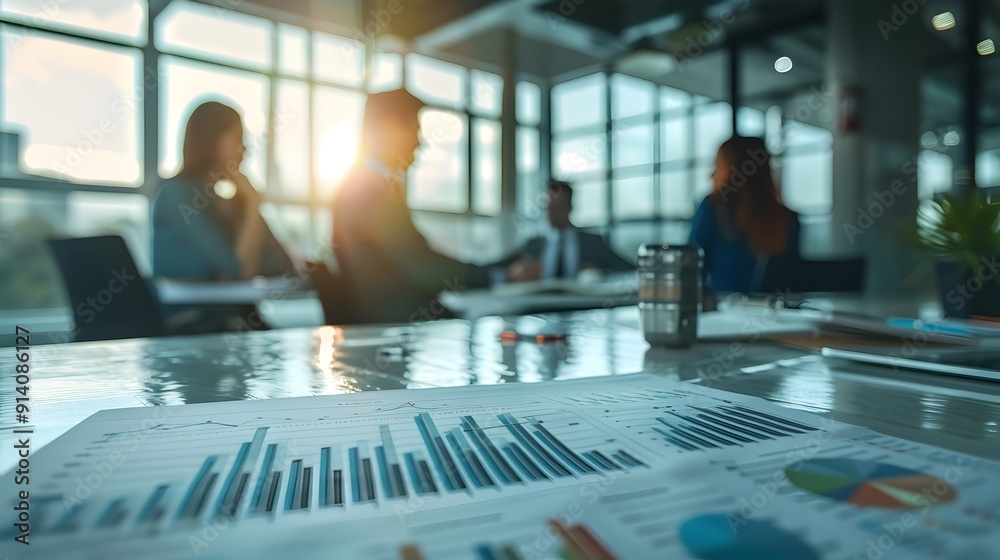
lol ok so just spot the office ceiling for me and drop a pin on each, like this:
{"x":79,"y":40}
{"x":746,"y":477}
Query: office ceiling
{"x":556,"y":40}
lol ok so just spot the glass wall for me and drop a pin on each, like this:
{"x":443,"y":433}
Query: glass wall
{"x":941,"y":139}
{"x":988,"y":158}
{"x":784,"y":99}
{"x":947,"y":141}
{"x":650,"y":158}
{"x":72,"y":140}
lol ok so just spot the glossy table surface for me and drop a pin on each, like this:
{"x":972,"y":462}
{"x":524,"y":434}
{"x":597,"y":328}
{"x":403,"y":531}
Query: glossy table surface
{"x":71,"y":381}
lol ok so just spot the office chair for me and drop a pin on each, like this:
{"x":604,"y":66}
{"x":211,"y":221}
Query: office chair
{"x":803,"y":276}
{"x":333,"y":292}
{"x":109,"y":298}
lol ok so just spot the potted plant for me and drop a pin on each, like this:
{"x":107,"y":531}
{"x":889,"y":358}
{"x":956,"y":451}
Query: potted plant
{"x":962,"y":234}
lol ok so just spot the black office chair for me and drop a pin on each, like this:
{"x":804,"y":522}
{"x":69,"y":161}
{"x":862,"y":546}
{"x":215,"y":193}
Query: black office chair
{"x":803,"y":276}
{"x":333,"y":292}
{"x":109,"y":297}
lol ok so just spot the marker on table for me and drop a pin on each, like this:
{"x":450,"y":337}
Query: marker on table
{"x":539,"y":338}
{"x":410,"y":552}
{"x":580,"y":542}
{"x":933,"y":328}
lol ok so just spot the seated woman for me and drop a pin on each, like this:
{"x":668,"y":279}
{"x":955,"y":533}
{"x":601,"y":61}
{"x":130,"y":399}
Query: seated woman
{"x":198,"y":235}
{"x":743,"y":224}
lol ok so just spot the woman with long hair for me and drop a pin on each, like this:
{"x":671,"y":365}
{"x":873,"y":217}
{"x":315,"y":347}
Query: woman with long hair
{"x":198,"y":235}
{"x":743,"y":223}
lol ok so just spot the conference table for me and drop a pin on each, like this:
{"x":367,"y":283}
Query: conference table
{"x":73,"y":380}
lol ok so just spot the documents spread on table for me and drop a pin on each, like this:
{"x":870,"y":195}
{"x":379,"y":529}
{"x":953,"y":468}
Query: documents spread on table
{"x":632,"y":466}
{"x":233,"y":292}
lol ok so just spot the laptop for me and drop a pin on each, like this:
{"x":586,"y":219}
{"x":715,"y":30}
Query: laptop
{"x":979,"y":363}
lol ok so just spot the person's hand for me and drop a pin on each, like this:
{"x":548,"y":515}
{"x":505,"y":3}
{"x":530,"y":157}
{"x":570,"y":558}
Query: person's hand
{"x":246,"y":194}
{"x":590,"y":273}
{"x":524,"y":271}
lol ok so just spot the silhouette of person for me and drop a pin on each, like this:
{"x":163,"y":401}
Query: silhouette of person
{"x":564,"y":250}
{"x":743,"y":222}
{"x":391,"y":271}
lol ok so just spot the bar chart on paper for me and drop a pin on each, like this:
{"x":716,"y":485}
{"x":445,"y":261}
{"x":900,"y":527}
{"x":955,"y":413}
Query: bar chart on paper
{"x":165,"y":472}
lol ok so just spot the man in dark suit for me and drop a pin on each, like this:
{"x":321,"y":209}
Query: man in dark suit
{"x":391,"y":273}
{"x":565,"y":250}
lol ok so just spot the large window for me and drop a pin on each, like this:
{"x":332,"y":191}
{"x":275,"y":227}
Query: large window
{"x":72,"y":107}
{"x":459,"y":122}
{"x":438,"y":180}
{"x":119,"y":20}
{"x":185,"y":84}
{"x":207,"y":32}
{"x":988,"y":148}
{"x":580,"y":145}
{"x":73,"y":145}
{"x":949,"y":140}
{"x":805,"y":160}
{"x":70,"y":115}
{"x":530,"y":195}
{"x":651,"y":160}
{"x":790,"y":106}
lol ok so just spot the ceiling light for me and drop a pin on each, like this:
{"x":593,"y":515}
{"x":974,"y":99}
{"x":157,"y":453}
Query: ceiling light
{"x":987,"y":47}
{"x":944,"y":21}
{"x":783,"y":64}
{"x":647,"y":64}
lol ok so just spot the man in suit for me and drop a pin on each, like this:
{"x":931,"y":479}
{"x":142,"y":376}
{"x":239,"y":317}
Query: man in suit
{"x":564,"y":250}
{"x":391,"y":273}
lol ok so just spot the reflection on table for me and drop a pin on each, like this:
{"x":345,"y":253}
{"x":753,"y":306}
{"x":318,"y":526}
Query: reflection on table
{"x":72,"y":381}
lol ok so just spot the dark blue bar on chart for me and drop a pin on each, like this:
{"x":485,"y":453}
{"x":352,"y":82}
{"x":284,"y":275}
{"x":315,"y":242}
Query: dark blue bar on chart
{"x":542,"y":456}
{"x":440,"y":456}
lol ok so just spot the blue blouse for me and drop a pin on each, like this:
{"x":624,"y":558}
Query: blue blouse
{"x":730,"y":265}
{"x":190,"y":242}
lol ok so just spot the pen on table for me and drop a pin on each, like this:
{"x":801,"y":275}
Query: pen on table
{"x":934,"y":328}
{"x":540,"y":338}
{"x":580,"y":543}
{"x":410,"y":552}
{"x":596,"y":547}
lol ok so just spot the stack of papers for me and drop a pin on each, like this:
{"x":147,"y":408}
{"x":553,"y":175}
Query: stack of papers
{"x":646,"y":467}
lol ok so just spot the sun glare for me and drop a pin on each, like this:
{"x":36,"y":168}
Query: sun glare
{"x":337,"y":152}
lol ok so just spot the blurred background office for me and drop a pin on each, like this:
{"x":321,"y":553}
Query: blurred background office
{"x":628,"y":100}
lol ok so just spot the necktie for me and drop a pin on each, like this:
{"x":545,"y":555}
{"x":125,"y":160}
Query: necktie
{"x":560,"y":266}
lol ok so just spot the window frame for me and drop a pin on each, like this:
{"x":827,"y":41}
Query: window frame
{"x":149,"y":116}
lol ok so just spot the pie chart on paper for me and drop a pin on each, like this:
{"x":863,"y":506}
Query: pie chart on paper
{"x":870,"y":484}
{"x":713,"y":537}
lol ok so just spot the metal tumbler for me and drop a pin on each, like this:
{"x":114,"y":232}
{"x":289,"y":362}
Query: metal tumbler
{"x":669,"y":293}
